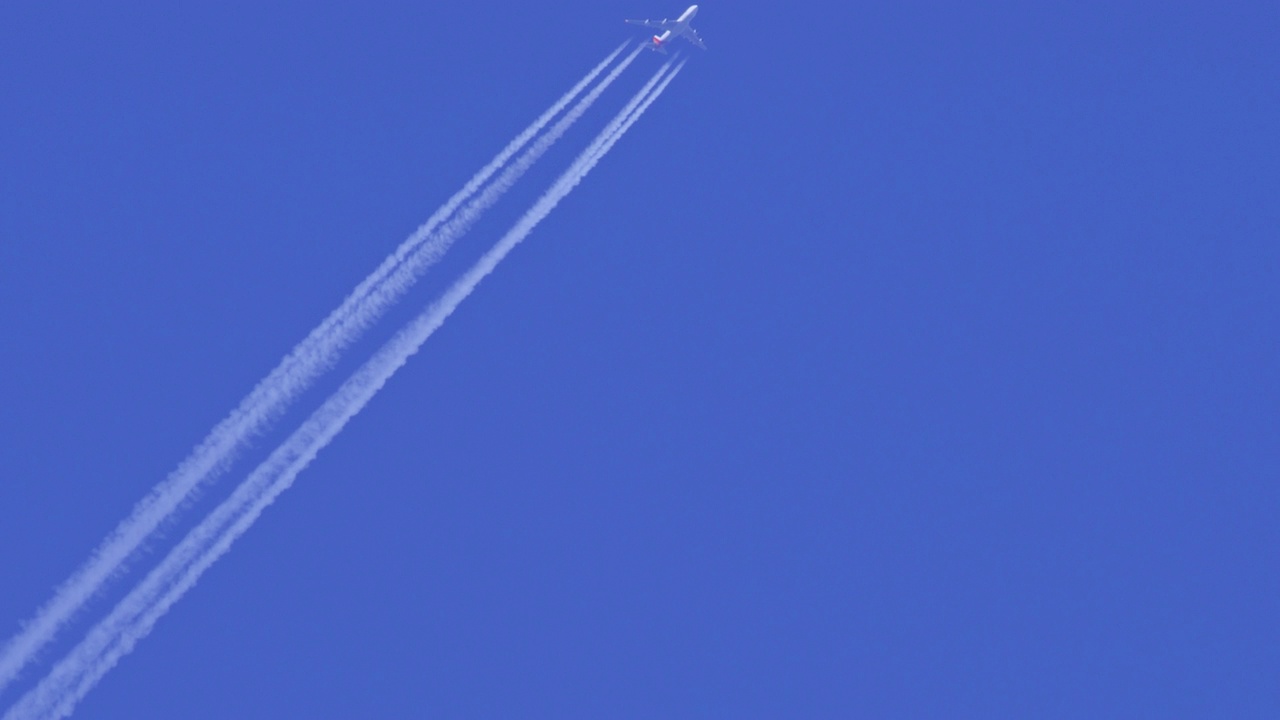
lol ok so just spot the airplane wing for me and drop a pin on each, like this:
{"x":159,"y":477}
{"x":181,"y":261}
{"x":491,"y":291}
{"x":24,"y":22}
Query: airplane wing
{"x":655,"y":24}
{"x":692,"y":36}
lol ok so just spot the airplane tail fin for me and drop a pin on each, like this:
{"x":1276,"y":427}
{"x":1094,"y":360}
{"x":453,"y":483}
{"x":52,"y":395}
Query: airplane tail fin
{"x":657,"y":45}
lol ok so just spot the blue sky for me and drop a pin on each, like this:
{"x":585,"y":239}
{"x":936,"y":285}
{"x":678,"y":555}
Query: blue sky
{"x":906,"y":359}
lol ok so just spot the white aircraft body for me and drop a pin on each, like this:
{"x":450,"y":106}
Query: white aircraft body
{"x":680,"y":27}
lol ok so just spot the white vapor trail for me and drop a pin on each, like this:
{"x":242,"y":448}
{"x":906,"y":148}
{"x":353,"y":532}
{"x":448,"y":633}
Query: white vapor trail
{"x":394,"y":287}
{"x":307,"y":361}
{"x":134,"y":617}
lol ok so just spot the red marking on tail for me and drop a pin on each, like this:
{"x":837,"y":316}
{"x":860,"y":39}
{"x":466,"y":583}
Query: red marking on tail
{"x":657,"y":41}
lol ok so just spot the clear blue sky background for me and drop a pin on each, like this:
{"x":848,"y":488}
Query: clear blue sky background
{"x":907,"y":359}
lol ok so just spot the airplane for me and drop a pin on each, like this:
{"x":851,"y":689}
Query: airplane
{"x":680,"y":27}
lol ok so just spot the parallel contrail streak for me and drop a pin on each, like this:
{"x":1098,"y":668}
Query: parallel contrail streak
{"x":602,"y":148}
{"x":57,"y":695}
{"x":387,"y":293}
{"x":310,"y":358}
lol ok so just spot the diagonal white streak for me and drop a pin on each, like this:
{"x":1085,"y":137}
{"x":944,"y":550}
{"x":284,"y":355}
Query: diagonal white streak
{"x":307,"y":361}
{"x":625,"y":125}
{"x":134,"y":617}
{"x":390,"y":291}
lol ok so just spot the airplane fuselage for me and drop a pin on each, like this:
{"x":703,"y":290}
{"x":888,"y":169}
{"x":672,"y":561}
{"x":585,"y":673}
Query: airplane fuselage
{"x":671,"y":29}
{"x":681,"y":23}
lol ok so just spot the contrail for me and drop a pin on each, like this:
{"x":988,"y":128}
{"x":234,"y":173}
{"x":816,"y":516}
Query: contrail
{"x":388,"y":292}
{"x":57,"y":695}
{"x":602,"y":148}
{"x":307,"y":361}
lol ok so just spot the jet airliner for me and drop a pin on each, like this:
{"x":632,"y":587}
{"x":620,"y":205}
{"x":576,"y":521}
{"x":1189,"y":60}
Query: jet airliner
{"x":680,"y":27}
